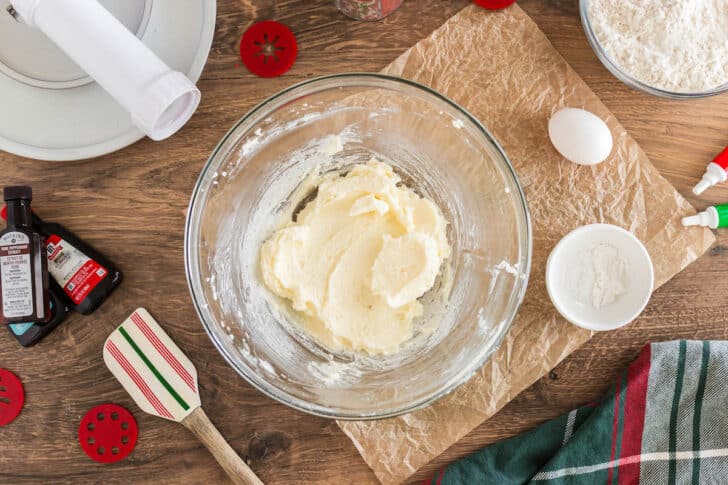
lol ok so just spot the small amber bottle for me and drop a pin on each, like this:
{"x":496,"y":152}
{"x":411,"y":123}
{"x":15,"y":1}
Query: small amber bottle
{"x":23,"y":264}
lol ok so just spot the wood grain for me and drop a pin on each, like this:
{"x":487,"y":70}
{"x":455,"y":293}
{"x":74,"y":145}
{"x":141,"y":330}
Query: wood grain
{"x":131,"y":204}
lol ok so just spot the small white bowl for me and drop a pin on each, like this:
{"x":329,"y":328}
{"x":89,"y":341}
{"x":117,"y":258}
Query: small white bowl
{"x":565,"y":260}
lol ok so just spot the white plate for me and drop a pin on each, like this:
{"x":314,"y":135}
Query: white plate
{"x":50,"y":109}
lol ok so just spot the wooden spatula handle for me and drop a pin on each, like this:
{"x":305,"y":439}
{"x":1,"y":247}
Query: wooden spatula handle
{"x":234,"y":466}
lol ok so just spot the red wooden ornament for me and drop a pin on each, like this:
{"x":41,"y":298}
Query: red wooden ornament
{"x":108,"y":433}
{"x":12,"y":397}
{"x":494,"y":4}
{"x":268,"y":48}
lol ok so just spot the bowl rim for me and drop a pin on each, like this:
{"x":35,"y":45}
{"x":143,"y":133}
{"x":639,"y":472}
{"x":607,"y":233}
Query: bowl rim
{"x":191,"y":253}
{"x":624,"y":76}
{"x":557,"y":299}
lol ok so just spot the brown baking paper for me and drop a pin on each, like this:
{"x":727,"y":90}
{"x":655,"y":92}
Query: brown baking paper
{"x":503,"y":69}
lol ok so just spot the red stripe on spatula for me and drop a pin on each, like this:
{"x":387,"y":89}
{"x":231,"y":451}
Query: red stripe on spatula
{"x":163,"y":351}
{"x":141,"y":384}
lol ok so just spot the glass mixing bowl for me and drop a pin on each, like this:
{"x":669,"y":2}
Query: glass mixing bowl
{"x":626,"y":77}
{"x":442,"y":152}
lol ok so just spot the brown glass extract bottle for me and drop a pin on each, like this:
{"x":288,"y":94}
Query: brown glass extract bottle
{"x":23,"y":264}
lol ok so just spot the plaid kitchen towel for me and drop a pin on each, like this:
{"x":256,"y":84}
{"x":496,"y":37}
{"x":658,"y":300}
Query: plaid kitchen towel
{"x":665,"y":421}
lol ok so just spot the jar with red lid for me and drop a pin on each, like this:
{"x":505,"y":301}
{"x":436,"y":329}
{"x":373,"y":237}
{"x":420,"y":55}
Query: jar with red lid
{"x":368,"y":9}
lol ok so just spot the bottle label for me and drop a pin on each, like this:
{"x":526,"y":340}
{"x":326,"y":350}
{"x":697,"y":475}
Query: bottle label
{"x":75,"y":272}
{"x":21,"y":329}
{"x":15,"y":277}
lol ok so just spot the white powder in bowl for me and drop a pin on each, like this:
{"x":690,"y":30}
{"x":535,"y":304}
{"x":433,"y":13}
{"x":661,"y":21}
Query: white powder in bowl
{"x":599,"y":277}
{"x":674,"y":45}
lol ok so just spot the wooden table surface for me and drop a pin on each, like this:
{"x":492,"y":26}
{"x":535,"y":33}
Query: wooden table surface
{"x":132,"y":205}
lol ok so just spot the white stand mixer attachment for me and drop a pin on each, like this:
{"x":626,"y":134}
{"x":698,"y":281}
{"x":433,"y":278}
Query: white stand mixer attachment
{"x":159,"y":99}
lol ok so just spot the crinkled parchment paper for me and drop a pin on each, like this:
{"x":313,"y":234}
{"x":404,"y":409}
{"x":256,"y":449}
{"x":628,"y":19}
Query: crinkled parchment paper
{"x":502,"y":68}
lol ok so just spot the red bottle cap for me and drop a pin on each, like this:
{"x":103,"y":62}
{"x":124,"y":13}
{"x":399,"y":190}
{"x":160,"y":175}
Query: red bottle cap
{"x":268,"y":48}
{"x":108,"y":433}
{"x":493,"y":4}
{"x":4,"y":213}
{"x":12,"y":397}
{"x":722,"y":159}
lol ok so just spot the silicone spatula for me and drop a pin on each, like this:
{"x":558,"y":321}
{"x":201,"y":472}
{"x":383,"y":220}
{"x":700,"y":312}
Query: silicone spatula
{"x":163,"y":382}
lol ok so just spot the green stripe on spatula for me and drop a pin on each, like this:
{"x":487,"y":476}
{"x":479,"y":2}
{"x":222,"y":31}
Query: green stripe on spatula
{"x":154,"y":370}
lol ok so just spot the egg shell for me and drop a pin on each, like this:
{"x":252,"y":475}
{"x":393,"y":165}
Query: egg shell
{"x":580,"y":136}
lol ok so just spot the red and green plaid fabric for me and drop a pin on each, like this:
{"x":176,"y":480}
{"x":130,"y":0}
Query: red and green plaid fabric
{"x":665,"y":421}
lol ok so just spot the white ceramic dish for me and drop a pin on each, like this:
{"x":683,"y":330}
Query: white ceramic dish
{"x":566,"y":256}
{"x":51,"y":110}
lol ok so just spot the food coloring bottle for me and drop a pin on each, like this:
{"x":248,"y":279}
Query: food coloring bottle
{"x":715,"y":173}
{"x":86,"y":277}
{"x":23,"y":266}
{"x":712,"y":217}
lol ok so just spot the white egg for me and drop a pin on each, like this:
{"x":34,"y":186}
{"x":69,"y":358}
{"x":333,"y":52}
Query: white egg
{"x":580,"y":136}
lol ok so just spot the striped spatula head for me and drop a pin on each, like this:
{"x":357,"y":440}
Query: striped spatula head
{"x":152,"y":369}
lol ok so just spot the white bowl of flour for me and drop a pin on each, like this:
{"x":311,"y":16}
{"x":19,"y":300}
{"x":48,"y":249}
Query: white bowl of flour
{"x":669,"y":48}
{"x":599,"y":277}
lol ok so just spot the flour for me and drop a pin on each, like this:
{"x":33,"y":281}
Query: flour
{"x":674,"y":45}
{"x":601,"y":276}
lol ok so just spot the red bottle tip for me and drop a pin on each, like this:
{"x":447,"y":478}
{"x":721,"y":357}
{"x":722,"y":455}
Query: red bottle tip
{"x":722,"y":159}
{"x":4,"y":213}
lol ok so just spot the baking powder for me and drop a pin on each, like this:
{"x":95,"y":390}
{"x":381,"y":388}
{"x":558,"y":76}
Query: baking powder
{"x":601,"y":276}
{"x":674,"y":45}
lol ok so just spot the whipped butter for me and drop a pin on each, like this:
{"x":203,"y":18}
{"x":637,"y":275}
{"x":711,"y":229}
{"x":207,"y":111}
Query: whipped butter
{"x":357,"y":258}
